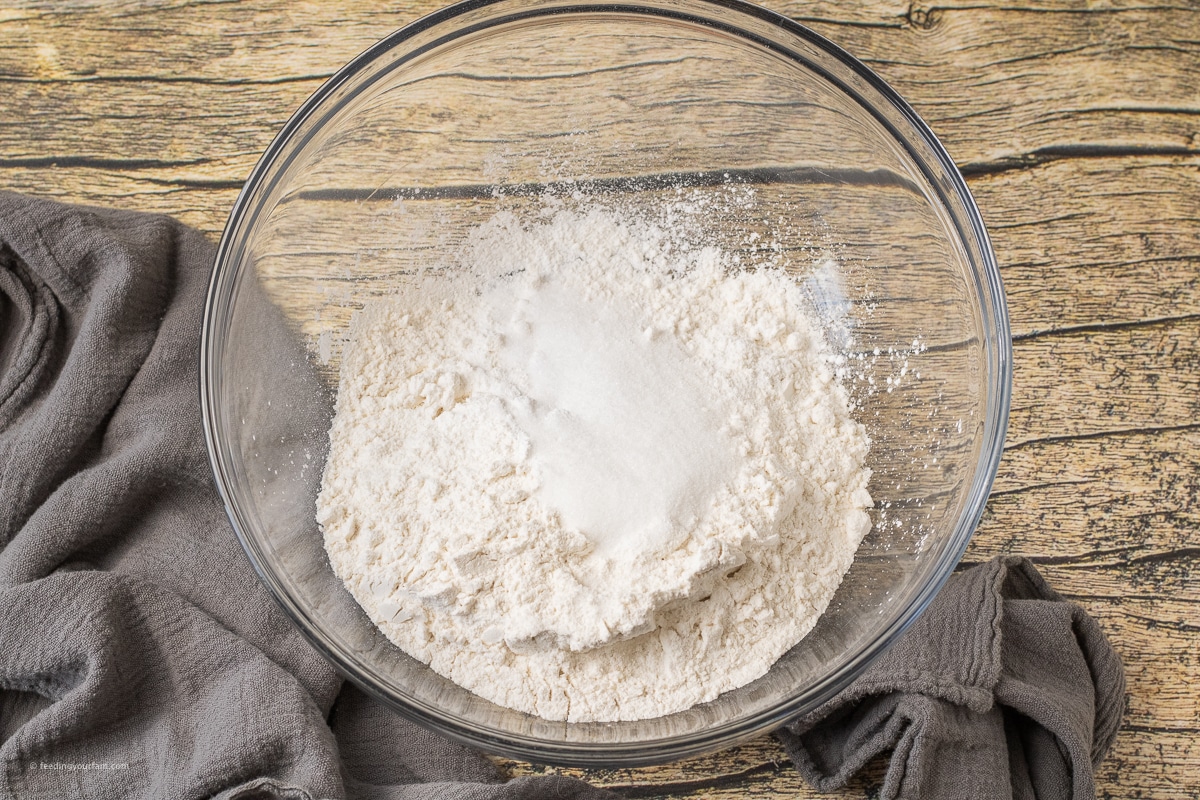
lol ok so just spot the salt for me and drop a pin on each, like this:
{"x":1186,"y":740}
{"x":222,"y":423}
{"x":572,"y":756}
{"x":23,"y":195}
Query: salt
{"x":624,"y":429}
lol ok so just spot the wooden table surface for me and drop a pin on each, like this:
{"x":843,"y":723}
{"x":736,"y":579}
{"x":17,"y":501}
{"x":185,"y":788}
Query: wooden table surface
{"x":1077,"y":125}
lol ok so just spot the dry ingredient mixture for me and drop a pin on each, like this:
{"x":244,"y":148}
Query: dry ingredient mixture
{"x":594,"y":471}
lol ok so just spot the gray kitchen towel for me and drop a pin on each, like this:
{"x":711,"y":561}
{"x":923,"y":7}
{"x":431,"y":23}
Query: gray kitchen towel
{"x":140,"y":657}
{"x":1002,"y":689}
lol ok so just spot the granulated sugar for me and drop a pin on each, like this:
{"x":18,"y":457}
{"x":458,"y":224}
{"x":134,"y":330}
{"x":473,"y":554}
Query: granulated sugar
{"x":593,"y":471}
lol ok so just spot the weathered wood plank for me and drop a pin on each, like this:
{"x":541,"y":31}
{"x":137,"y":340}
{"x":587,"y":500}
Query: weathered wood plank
{"x":159,"y":191}
{"x":1090,"y":242}
{"x":1103,"y":77}
{"x":1140,"y":376}
{"x":1157,"y":641}
{"x":1042,"y":80}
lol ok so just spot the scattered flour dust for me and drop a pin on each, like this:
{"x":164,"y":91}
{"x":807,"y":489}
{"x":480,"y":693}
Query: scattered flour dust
{"x":593,"y":472}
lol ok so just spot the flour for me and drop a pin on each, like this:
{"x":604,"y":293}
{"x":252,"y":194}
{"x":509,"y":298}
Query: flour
{"x":593,"y":471}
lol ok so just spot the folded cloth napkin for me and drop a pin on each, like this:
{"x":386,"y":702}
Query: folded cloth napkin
{"x":1001,"y":689}
{"x":140,"y":657}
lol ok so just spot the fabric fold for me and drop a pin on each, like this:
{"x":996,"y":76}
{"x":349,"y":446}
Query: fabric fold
{"x":28,"y":327}
{"x":1001,"y":689}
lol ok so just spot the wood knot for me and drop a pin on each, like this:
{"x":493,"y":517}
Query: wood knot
{"x":923,"y":18}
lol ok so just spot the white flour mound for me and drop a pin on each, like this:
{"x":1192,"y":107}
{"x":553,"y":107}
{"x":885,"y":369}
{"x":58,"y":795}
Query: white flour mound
{"x":593,"y":473}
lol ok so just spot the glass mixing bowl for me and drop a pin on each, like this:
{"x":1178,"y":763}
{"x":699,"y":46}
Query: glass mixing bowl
{"x":490,"y":105}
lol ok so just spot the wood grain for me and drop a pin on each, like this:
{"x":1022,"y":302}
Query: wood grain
{"x":1078,"y":127}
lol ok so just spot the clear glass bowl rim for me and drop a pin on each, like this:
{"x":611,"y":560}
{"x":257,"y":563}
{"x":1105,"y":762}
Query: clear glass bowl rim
{"x":996,"y":342}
